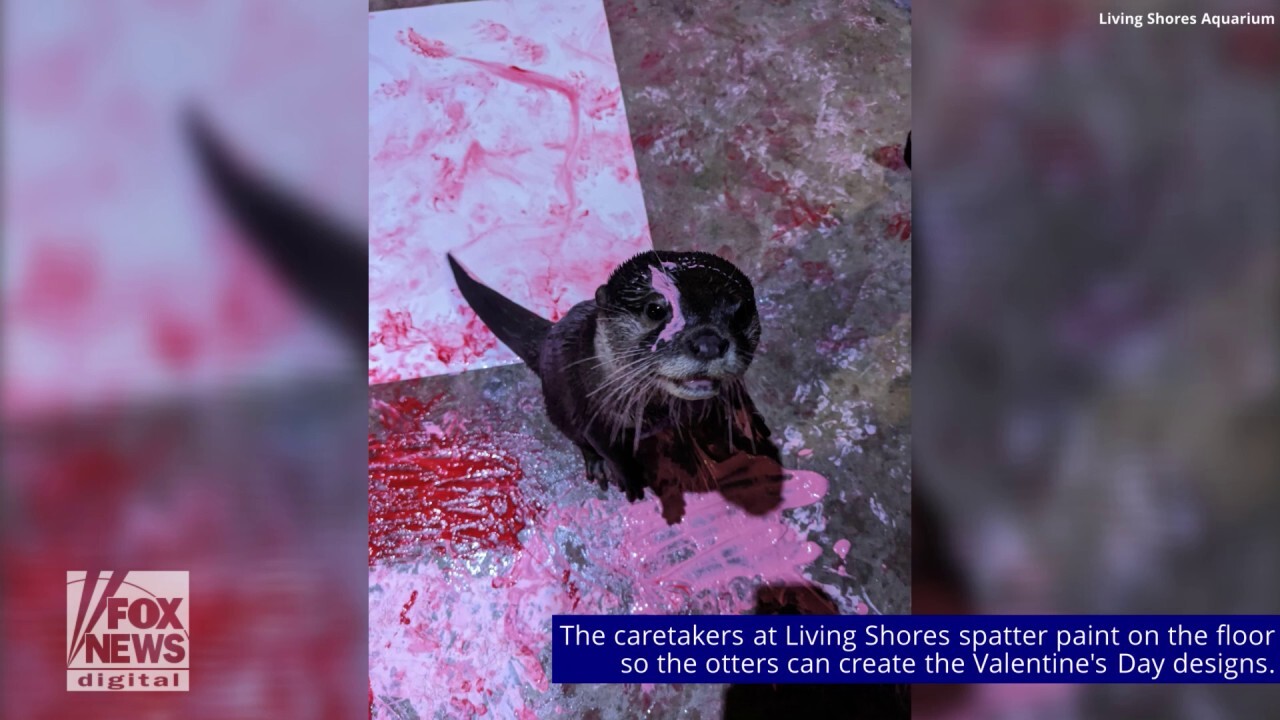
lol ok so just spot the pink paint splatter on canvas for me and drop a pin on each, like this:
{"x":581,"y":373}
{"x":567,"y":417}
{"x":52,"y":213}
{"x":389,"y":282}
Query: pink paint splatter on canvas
{"x":423,"y":46}
{"x":666,"y":287}
{"x":496,"y":130}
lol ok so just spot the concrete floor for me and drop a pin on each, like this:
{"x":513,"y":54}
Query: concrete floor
{"x":769,"y":132}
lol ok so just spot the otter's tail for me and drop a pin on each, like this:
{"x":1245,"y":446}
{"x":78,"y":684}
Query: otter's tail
{"x":324,"y":261}
{"x":519,"y":329}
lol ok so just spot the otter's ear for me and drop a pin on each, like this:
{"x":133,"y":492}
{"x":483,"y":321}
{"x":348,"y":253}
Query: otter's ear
{"x":602,"y":296}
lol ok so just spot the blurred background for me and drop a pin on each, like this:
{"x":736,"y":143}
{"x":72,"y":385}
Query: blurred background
{"x":1096,"y":331}
{"x":167,"y":403}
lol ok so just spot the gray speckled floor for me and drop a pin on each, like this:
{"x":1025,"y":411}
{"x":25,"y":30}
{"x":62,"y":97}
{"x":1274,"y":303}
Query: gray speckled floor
{"x":768,"y":131}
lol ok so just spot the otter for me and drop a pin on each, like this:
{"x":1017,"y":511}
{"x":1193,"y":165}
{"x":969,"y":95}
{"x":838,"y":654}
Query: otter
{"x":646,"y":379}
{"x":652,"y":365}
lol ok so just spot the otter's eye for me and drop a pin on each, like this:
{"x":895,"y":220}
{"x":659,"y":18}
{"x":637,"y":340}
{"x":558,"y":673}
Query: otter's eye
{"x":657,"y":310}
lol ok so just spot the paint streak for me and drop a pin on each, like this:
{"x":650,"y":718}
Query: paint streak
{"x":530,"y":51}
{"x":540,"y":81}
{"x":453,"y":492}
{"x":889,"y":156}
{"x":818,"y":272}
{"x":425,"y":47}
{"x":797,"y":214}
{"x":404,"y":614}
{"x":666,"y":287}
{"x":899,"y":226}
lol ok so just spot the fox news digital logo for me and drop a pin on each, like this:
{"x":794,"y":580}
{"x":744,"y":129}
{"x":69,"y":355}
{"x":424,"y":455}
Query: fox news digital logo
{"x":127,"y":631}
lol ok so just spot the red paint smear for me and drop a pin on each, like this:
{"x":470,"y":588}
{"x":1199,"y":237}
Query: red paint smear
{"x":797,"y":213}
{"x":491,"y":30}
{"x":442,"y":490}
{"x":399,"y":148}
{"x":604,"y":101}
{"x":899,"y":226}
{"x":530,"y":51}
{"x":59,"y":282}
{"x":408,"y":413}
{"x":889,"y":156}
{"x":424,"y":47}
{"x":397,"y":332}
{"x":818,"y":272}
{"x":572,"y":587}
{"x":175,"y":341}
{"x":394,"y":89}
{"x":540,"y":81}
{"x":404,"y":614}
{"x":476,"y":341}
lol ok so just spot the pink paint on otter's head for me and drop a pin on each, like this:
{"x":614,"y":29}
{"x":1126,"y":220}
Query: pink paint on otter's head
{"x":666,"y":287}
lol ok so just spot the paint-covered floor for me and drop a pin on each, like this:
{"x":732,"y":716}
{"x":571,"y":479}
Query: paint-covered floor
{"x":769,"y":132}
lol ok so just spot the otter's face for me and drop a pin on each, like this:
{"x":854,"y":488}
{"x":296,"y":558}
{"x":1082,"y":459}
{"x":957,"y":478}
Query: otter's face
{"x":686,"y":322}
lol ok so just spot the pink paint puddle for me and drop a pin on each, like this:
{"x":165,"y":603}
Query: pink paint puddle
{"x":495,"y":629}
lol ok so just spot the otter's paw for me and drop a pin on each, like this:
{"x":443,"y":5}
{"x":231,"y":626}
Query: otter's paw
{"x":597,"y":470}
{"x":635,"y":493}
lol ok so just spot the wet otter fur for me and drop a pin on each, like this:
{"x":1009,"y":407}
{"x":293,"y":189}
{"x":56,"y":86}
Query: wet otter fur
{"x":649,"y":373}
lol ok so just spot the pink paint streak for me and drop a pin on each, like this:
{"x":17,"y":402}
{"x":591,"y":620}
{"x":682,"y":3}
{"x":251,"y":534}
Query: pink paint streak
{"x":666,"y":287}
{"x":404,"y":613}
{"x":425,"y":47}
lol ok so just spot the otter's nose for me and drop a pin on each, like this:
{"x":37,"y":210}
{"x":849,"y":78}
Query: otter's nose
{"x":707,"y":345}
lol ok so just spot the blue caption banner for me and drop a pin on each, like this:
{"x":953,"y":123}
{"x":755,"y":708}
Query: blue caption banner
{"x":959,"y":649}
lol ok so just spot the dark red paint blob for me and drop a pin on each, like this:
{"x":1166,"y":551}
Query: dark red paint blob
{"x":442,"y":490}
{"x":644,"y":141}
{"x":899,"y":226}
{"x":889,"y":156}
{"x":404,"y":614}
